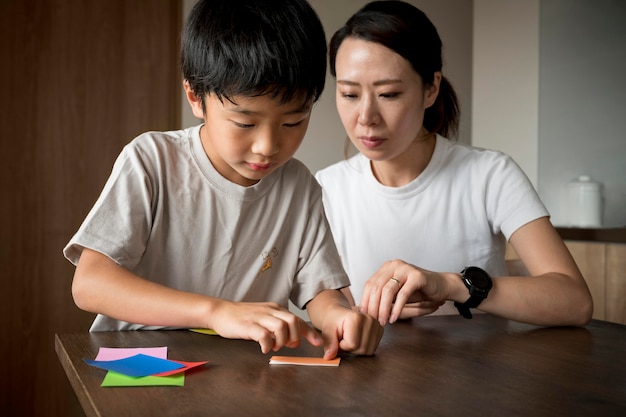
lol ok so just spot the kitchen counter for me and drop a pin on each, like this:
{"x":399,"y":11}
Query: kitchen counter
{"x":610,"y":235}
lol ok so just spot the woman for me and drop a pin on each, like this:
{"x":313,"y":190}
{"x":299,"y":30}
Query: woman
{"x":413,"y":210}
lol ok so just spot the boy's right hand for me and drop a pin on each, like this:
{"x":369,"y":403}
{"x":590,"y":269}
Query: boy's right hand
{"x":271,"y":325}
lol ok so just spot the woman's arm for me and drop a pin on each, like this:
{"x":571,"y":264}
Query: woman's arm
{"x":554,"y":295}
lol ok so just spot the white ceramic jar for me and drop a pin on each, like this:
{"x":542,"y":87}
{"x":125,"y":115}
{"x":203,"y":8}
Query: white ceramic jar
{"x":585,"y":202}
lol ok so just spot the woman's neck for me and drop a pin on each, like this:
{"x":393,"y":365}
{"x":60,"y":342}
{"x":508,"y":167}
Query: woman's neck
{"x":407,"y":166}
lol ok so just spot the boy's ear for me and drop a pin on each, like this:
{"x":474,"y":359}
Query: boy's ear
{"x":194,"y":101}
{"x":432,"y":90}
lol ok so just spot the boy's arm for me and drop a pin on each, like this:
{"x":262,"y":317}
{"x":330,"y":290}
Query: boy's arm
{"x":343,"y":328}
{"x":102,"y":286}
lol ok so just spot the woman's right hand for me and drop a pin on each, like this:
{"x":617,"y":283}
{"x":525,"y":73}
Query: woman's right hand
{"x":401,"y":290}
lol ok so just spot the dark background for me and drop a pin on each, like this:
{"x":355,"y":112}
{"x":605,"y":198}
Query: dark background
{"x":78,"y":80}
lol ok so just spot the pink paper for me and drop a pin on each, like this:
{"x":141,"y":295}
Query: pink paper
{"x":111,"y":354}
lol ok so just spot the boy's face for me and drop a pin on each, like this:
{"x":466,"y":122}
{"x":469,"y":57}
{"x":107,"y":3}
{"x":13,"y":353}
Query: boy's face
{"x":250,"y":138}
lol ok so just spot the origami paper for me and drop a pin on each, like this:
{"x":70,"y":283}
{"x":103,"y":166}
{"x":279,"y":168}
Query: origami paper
{"x":296,"y":360}
{"x":204,"y":331}
{"x":186,"y":366}
{"x":114,"y":379}
{"x":109,"y":354}
{"x":137,"y":365}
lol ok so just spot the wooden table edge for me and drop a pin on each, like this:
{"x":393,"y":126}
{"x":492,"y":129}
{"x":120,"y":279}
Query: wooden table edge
{"x":72,"y":375}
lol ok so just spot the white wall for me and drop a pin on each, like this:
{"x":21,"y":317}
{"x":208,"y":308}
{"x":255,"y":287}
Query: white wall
{"x":548,"y":90}
{"x":582,"y":103}
{"x":505,"y":88}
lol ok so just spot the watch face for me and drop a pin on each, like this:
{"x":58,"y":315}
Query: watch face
{"x":477,"y":278}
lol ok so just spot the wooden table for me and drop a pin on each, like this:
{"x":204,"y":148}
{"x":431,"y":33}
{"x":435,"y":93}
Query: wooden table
{"x":430,"y":366}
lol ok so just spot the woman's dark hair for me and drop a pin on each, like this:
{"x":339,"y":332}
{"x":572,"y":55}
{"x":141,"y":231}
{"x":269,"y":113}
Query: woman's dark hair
{"x":254,"y":48}
{"x":407,"y":31}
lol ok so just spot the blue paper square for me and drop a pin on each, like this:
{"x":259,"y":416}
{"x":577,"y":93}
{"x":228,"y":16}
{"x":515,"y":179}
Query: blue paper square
{"x":137,"y":365}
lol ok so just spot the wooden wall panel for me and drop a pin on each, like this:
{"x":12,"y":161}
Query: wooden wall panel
{"x":78,"y":80}
{"x":591,"y":260}
{"x":616,"y":283}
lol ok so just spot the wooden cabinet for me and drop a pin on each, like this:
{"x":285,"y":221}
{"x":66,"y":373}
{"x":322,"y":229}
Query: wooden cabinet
{"x":591,"y":260}
{"x":604,"y":267}
{"x":79,"y":79}
{"x":616,"y":283}
{"x":603,"y":264}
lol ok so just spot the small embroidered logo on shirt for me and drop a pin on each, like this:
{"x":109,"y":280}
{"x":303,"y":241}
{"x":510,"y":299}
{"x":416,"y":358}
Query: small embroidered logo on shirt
{"x":267,"y":259}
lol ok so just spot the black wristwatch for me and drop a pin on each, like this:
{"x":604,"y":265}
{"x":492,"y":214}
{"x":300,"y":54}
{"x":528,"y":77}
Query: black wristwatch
{"x":478,"y":282}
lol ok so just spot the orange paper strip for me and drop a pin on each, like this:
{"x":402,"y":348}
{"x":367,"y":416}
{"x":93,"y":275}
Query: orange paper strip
{"x":296,"y":360}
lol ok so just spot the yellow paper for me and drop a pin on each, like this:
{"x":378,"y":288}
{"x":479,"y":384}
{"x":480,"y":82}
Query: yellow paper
{"x":204,"y":331}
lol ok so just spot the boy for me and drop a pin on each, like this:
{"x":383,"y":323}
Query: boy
{"x":217,"y":226}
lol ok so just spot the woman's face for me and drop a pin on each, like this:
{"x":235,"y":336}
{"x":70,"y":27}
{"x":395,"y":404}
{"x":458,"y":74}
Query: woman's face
{"x":380,"y":98}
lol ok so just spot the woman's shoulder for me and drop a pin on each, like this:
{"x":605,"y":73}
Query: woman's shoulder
{"x":463,"y":150}
{"x":477,"y":159}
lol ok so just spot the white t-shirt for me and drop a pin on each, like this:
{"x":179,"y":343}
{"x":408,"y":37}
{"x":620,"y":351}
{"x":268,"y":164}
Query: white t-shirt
{"x":458,"y":212}
{"x":166,"y":214}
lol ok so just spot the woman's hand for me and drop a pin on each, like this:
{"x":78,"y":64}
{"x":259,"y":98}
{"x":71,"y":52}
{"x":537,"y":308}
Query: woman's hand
{"x":401,"y":290}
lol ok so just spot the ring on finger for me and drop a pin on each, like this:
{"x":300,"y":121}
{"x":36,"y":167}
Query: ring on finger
{"x":396,"y":280}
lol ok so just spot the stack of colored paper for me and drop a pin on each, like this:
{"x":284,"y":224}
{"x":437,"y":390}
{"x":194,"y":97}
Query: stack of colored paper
{"x":133,"y":367}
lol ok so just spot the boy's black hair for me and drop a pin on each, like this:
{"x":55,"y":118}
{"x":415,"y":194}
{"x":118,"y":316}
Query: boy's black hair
{"x":254,"y":48}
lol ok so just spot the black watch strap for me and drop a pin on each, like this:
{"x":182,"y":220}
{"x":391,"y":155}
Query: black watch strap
{"x":477,"y":293}
{"x":464,"y":309}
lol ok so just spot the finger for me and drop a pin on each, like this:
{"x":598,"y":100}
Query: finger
{"x":353,"y":330}
{"x":370,"y":298}
{"x":331,"y":343}
{"x":310,"y":334}
{"x":287,"y":328}
{"x":402,"y":298}
{"x":418,"y":309}
{"x":372,"y":337}
{"x":365,"y":299}
{"x":390,"y":292}
{"x":374,"y":298}
{"x":262,"y":336}
{"x":279,"y":330}
{"x":361,"y":336}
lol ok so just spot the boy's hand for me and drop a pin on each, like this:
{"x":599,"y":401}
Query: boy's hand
{"x":271,"y":325}
{"x":348,"y":330}
{"x":343,"y":328}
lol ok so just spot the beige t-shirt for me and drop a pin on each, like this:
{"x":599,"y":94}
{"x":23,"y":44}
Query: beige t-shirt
{"x":166,"y":214}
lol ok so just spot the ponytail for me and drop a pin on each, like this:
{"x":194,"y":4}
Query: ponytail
{"x":443,"y":116}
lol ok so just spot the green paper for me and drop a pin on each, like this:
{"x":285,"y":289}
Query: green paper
{"x":115,"y":379}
